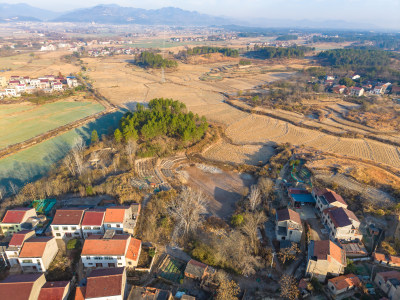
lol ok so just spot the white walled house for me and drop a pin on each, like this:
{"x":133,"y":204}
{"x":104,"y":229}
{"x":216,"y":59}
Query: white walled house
{"x":57,"y":86}
{"x":326,"y":198}
{"x":67,"y":223}
{"x":343,"y":284}
{"x":92,"y":223}
{"x":104,"y":284}
{"x":110,"y":252}
{"x":342,"y":223}
{"x":15,"y":245}
{"x":11,"y":92}
{"x":37,"y":253}
{"x":115,"y":217}
{"x":288,"y":225}
{"x":16,"y":219}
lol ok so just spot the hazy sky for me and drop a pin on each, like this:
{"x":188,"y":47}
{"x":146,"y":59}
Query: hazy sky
{"x":383,"y":13}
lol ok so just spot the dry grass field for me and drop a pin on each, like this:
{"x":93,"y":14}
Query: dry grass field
{"x":125,"y":84}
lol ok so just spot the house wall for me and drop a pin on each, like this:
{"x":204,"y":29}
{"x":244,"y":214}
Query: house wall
{"x":321,"y":268}
{"x":380,"y":282}
{"x":92,"y":260}
{"x":88,"y":230}
{"x":12,"y":256}
{"x":10,"y":229}
{"x":118,"y":227}
{"x":394,"y":293}
{"x":37,"y":286}
{"x":60,"y":231}
{"x":293,"y":235}
{"x":333,"y":289}
{"x":31,"y":264}
{"x":49,"y":253}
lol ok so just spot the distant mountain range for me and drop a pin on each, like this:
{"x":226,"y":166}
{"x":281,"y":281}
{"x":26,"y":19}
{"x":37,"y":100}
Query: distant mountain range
{"x":115,"y":14}
{"x":111,"y":14}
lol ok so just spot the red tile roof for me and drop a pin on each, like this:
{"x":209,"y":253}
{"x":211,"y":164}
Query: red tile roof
{"x":288,"y":214}
{"x":330,"y":196}
{"x":394,"y":260}
{"x":18,"y":238}
{"x":80,"y":293}
{"x":53,"y":290}
{"x":115,"y":214}
{"x":68,"y":217}
{"x":18,"y":287}
{"x":345,"y":281}
{"x":325,"y":250}
{"x":104,"y":283}
{"x":93,"y":218}
{"x":133,"y":249}
{"x":34,"y":247}
{"x":96,"y":245}
{"x":379,"y":256}
{"x":15,"y":215}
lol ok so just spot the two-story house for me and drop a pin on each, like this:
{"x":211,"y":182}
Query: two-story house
{"x":288,"y":225}
{"x":342,"y":223}
{"x":92,"y":222}
{"x":104,"y":284}
{"x":115,"y":218}
{"x":325,"y":257}
{"x":389,"y":283}
{"x":15,"y":245}
{"x":37,"y":253}
{"x":110,"y":251}
{"x":67,"y":223}
{"x":326,"y":198}
{"x":16,"y":219}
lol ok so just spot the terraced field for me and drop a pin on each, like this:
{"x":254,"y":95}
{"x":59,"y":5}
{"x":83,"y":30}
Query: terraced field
{"x":20,"y":123}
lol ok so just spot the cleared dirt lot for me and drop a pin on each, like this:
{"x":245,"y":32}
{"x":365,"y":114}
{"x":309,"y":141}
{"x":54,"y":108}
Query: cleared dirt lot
{"x":224,"y":188}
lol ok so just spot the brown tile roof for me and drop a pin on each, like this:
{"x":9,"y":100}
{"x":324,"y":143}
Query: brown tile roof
{"x":288,"y":214}
{"x":389,"y":275}
{"x":93,"y":218}
{"x":68,"y":216}
{"x":338,"y":216}
{"x":394,"y":260}
{"x":148,"y":293}
{"x":325,"y":250}
{"x":18,"y":238}
{"x":330,"y":196}
{"x":18,"y":287}
{"x":16,"y":215}
{"x":96,"y":245}
{"x":53,"y":290}
{"x":115,"y":214}
{"x":34,"y":247}
{"x":104,"y":283}
{"x":345,"y":281}
{"x":133,"y":249}
{"x":195,"y":268}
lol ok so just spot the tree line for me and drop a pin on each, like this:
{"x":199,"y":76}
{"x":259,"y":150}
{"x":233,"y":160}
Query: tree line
{"x":279,"y":52}
{"x":148,"y":59}
{"x":287,"y":37}
{"x":163,"y":117}
{"x":206,"y":50}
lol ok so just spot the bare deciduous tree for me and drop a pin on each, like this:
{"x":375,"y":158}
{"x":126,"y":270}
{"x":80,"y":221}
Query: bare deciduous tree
{"x":69,"y":164}
{"x":254,"y":197}
{"x":250,"y":227}
{"x":130,"y":149}
{"x":227,"y":289}
{"x":187,"y":208}
{"x":13,"y":187}
{"x":266,"y":185}
{"x":2,"y":192}
{"x":288,"y":253}
{"x":289,"y":289}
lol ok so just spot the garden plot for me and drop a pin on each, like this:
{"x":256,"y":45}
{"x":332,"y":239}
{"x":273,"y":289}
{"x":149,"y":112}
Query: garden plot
{"x":171,"y":269}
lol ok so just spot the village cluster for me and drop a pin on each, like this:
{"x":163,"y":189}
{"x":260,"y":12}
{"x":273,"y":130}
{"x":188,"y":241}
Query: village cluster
{"x":33,"y":241}
{"x":328,"y":258}
{"x":366,"y":88}
{"x":16,"y":86}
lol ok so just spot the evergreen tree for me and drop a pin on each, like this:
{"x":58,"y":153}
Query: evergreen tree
{"x":117,"y":135}
{"x":95,"y":137}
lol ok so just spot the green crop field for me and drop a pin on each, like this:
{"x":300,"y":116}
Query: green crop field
{"x":34,"y":162}
{"x":20,"y":123}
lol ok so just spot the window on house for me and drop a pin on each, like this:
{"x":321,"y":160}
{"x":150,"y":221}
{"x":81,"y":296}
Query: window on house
{"x":65,"y":228}
{"x":118,"y":257}
{"x":118,"y":226}
{"x":76,"y":233}
{"x":56,"y":228}
{"x":130,"y":263}
{"x":87,"y":228}
{"x":119,"y":264}
{"x":27,"y":261}
{"x":108,"y":225}
{"x":38,"y":260}
{"x":73,"y":227}
{"x":58,"y":234}
{"x":96,"y":228}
